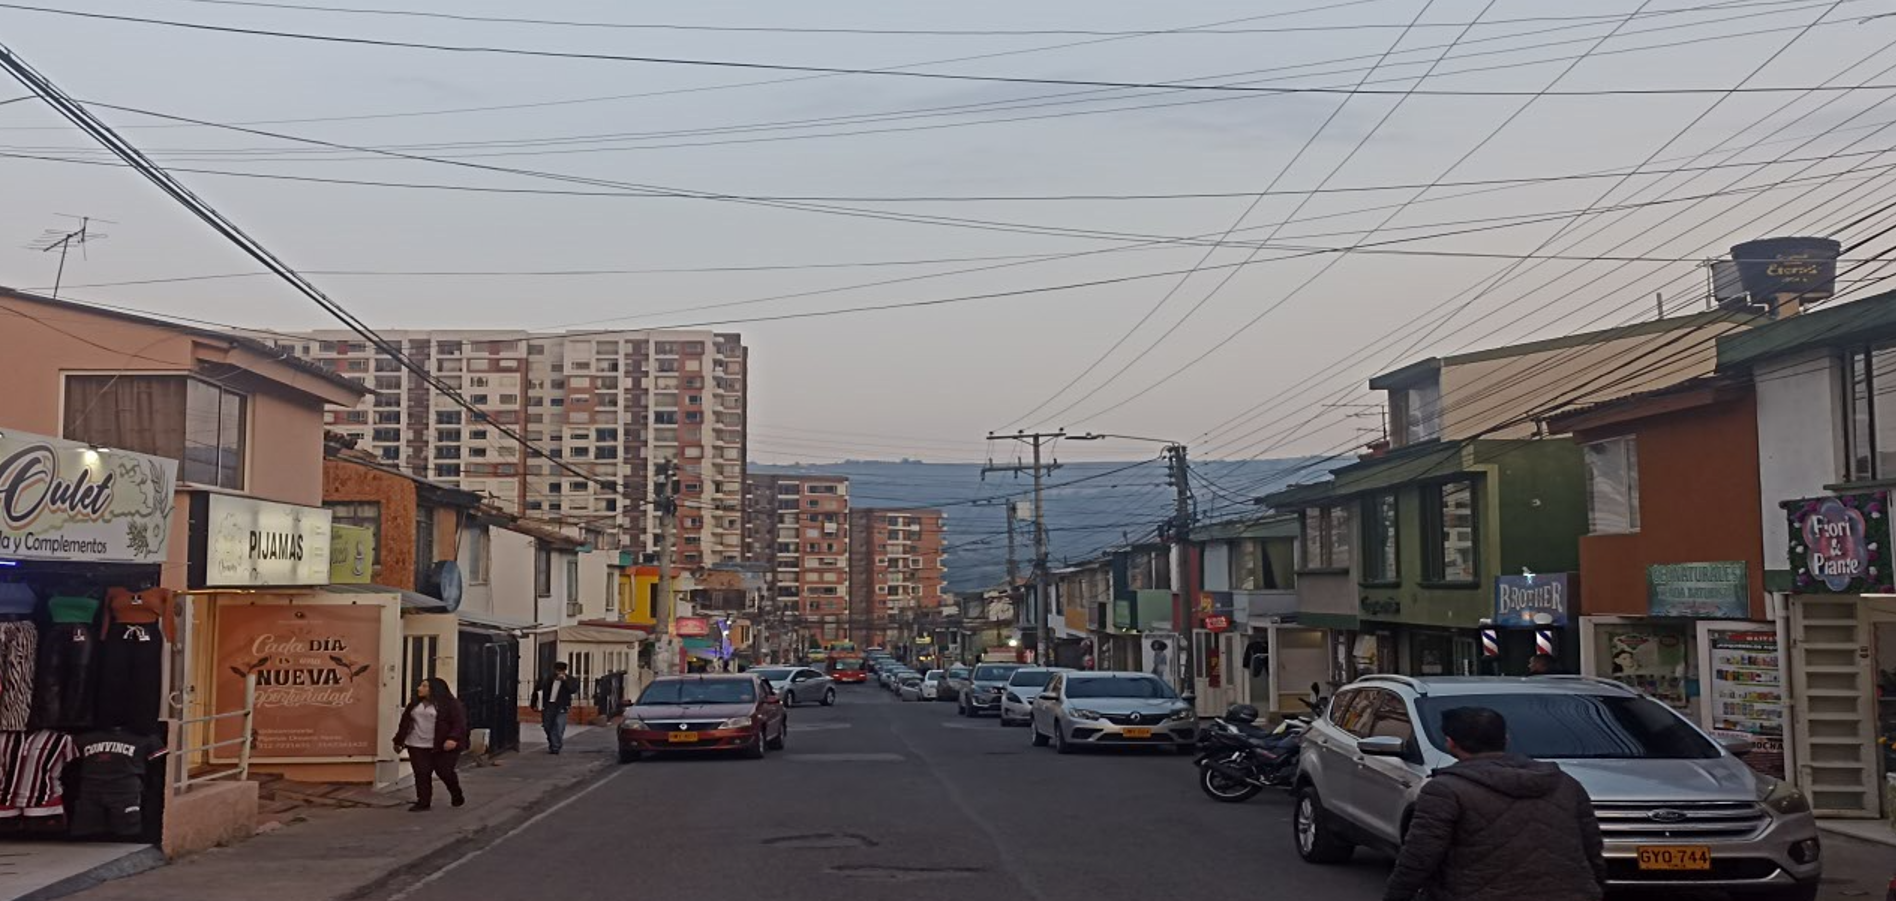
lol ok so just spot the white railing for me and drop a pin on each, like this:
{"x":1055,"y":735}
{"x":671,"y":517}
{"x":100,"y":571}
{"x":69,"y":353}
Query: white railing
{"x":180,"y":753}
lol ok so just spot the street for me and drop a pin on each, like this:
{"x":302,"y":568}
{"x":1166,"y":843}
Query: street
{"x":874,"y":798}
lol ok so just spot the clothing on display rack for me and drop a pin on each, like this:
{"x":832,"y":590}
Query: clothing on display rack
{"x":19,"y":656}
{"x":31,"y":785}
{"x":68,"y":652}
{"x":17,"y":599}
{"x":151,"y":606}
{"x":132,"y":658}
{"x":112,"y":765}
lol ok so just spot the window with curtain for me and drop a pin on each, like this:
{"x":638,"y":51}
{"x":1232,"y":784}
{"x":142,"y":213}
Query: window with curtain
{"x":1379,"y":539}
{"x":1451,"y":511}
{"x":1612,"y":486}
{"x":197,"y":423}
{"x":1872,"y":425}
{"x":1328,"y":537}
{"x":1247,"y":565}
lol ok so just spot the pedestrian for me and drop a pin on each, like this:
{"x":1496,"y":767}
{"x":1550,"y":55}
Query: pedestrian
{"x":1498,"y":826}
{"x":1540,"y":665}
{"x":433,"y":730}
{"x":553,"y":697}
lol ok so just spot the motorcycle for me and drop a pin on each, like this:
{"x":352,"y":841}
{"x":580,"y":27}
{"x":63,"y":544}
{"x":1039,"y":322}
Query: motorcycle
{"x":1239,"y":759}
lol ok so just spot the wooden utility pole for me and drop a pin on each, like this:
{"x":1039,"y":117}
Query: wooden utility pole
{"x":1040,"y":442}
{"x":665,"y":498}
{"x":1184,"y":612}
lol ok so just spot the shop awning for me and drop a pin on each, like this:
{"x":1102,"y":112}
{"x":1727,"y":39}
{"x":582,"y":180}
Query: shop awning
{"x":412,"y":601}
{"x":490,"y":621}
{"x":599,"y":634}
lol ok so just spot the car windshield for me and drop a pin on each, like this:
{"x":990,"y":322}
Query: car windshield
{"x":846,"y":666}
{"x":774,"y":674}
{"x":1144,"y":687}
{"x":957,"y":672}
{"x":1555,"y":726}
{"x":1034,"y":678}
{"x":933,"y":676}
{"x":693,"y":691}
{"x":994,"y":672}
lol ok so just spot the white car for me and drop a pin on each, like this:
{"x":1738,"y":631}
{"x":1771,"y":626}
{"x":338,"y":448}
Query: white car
{"x":1021,"y":690}
{"x":798,"y":684}
{"x":931,"y":685}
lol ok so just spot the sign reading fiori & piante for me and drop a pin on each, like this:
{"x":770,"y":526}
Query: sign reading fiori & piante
{"x":1837,"y":543}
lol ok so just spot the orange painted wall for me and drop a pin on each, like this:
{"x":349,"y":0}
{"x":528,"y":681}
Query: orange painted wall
{"x":345,"y":482}
{"x":1698,"y":503}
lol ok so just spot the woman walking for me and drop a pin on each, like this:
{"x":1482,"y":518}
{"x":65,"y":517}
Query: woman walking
{"x":434,"y":730}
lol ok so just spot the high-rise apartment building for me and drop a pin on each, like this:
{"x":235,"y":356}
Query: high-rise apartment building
{"x":610,"y":405}
{"x":897,"y":571}
{"x":799,"y":525}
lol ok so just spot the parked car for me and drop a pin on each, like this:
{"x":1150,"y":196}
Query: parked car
{"x":796,"y":684}
{"x":735,"y":712}
{"x":1020,"y":690}
{"x":1678,"y":809}
{"x":910,"y":687}
{"x":931,"y":685}
{"x":1111,"y":708}
{"x":898,"y":675}
{"x":983,"y":693}
{"x":953,"y":681}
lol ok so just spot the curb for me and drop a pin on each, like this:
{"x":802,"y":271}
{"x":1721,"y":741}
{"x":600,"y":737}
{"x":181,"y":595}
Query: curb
{"x":455,"y":842}
{"x":130,"y":865}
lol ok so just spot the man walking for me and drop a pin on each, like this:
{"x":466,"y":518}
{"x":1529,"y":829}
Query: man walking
{"x":1498,"y":826}
{"x":553,"y":697}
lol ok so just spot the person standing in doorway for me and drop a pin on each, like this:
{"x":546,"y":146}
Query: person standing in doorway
{"x":1498,"y":826}
{"x":433,"y":730}
{"x":1540,"y":665}
{"x":553,"y":697}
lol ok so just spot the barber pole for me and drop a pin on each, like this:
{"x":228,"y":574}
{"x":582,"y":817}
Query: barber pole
{"x":1490,"y":643}
{"x":1544,"y":641}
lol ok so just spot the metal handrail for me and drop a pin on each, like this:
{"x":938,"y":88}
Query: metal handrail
{"x":180,"y":752}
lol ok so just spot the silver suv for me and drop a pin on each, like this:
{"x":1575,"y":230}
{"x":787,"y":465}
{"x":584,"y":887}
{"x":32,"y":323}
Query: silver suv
{"x":1677,"y":808}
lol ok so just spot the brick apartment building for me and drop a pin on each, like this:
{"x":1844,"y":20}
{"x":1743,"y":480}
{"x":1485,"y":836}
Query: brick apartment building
{"x":800,"y":527}
{"x":896,"y":571}
{"x":612,"y":404}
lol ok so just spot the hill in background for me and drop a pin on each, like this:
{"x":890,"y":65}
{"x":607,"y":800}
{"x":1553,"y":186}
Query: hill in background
{"x":1090,"y":506}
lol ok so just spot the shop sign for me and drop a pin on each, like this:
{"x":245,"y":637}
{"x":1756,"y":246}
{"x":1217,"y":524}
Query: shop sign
{"x":1837,"y":544}
{"x":1747,"y":694}
{"x":1699,"y":590}
{"x":1217,"y":623}
{"x":65,"y":501}
{"x":1532,"y":600}
{"x":1381,"y":608}
{"x":318,"y":668}
{"x":351,"y":555}
{"x":691,"y":627}
{"x":240,"y":542}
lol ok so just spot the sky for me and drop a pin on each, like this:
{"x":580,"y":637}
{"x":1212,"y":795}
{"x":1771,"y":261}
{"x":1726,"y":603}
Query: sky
{"x":1031,"y":235}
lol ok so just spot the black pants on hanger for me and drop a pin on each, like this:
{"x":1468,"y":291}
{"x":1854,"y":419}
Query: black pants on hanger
{"x":131,"y":677}
{"x":62,"y":693}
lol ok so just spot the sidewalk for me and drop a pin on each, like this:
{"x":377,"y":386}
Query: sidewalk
{"x":337,"y":854}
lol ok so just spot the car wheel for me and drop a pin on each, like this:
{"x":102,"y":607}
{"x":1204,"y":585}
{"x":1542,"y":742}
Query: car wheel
{"x":629,"y":755}
{"x":829,"y":697}
{"x":1040,"y":741}
{"x":789,"y":699}
{"x":783,"y":732}
{"x":1060,"y":743}
{"x":1317,"y":841}
{"x":755,"y":750}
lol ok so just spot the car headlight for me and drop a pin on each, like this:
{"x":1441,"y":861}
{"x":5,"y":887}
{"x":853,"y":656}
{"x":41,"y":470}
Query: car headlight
{"x":1080,"y":714}
{"x":1015,"y":698}
{"x":1185,"y":714}
{"x":736,"y":722}
{"x":1781,"y":796}
{"x":635,"y":725}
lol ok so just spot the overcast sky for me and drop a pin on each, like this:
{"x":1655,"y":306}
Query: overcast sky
{"x":930,"y":381}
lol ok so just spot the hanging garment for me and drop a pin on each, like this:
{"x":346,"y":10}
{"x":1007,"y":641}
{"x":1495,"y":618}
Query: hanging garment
{"x":112,"y":765}
{"x":131,"y":677}
{"x":31,"y":786}
{"x":19,"y":656}
{"x":153,"y":605}
{"x":17,"y":599}
{"x":62,"y":693}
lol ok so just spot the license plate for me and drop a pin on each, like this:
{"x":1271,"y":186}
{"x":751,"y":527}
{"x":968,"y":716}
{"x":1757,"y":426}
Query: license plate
{"x":682,"y":737}
{"x":1138,"y":733}
{"x":1675,"y":857}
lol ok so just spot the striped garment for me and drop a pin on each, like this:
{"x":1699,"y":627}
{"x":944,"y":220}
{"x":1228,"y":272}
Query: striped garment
{"x":31,"y":786}
{"x":19,"y":649}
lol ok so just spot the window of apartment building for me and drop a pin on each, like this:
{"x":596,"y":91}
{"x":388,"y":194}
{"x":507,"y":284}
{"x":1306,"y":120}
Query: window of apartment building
{"x":384,"y":364}
{"x":387,"y":417}
{"x":479,"y":400}
{"x":580,"y":451}
{"x":694,"y":347}
{"x":447,"y":470}
{"x":355,"y":416}
{"x":448,"y":435}
{"x":328,"y":347}
{"x":447,"y":452}
{"x":664,"y":417}
{"x":388,"y":401}
{"x":477,"y":453}
{"x":1612,"y":485}
{"x":448,"y":348}
{"x":386,"y":435}
{"x":447,"y":417}
{"x":195,"y":422}
{"x":1416,"y":413}
{"x":1379,"y":539}
{"x":388,"y":383}
{"x":1449,"y":511}
{"x":1328,"y":537}
{"x":389,"y":454}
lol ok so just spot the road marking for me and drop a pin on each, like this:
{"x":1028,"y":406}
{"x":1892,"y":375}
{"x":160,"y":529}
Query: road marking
{"x":530,"y":823}
{"x":983,"y":726}
{"x":847,"y":758}
{"x":820,"y":727}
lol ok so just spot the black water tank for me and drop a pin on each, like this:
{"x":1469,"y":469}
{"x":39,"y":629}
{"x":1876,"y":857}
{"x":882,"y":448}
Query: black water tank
{"x":1804,"y":267}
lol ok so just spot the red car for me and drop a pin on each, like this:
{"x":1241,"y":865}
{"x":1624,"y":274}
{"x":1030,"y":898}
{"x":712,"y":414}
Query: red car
{"x":848,"y":669}
{"x":704,"y":712}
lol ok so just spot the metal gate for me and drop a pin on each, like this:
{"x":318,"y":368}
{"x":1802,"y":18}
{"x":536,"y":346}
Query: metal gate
{"x":489,"y":672}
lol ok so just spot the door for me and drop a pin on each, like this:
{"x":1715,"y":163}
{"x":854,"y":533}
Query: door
{"x":1334,"y":750}
{"x":1831,"y":678}
{"x":1382,"y":784}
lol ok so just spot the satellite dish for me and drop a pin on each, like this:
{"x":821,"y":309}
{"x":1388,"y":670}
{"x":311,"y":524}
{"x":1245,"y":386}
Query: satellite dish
{"x":445,"y":578}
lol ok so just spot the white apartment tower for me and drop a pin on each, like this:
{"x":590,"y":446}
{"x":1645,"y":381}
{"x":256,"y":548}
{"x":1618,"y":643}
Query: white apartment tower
{"x":610,"y":404}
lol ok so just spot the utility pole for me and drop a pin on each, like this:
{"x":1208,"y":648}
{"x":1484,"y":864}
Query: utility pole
{"x":1184,"y":612}
{"x":1010,"y":516}
{"x":665,"y":495}
{"x":1040,"y":442}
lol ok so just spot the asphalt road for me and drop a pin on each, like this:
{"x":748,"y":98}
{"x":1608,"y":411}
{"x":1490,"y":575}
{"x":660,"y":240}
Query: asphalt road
{"x":876,"y":799}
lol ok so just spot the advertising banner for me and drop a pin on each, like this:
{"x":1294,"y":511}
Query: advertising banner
{"x":1837,"y":543}
{"x":65,"y":501}
{"x":239,"y":542}
{"x":1699,"y":590}
{"x":1532,"y":600}
{"x":318,"y":672}
{"x":1748,"y":693}
{"x":351,"y":555}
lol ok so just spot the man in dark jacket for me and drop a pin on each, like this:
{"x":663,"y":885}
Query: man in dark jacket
{"x":1498,"y":826}
{"x":553,"y":697}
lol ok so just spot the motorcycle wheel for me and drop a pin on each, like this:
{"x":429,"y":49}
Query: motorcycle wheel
{"x":1222,"y":788}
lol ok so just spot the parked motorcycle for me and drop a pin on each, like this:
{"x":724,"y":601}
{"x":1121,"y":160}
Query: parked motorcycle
{"x":1240,"y":759}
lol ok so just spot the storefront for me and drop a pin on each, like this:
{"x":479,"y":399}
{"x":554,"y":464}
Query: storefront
{"x":1532,"y":615}
{"x":84,"y":634}
{"x":1842,"y":622}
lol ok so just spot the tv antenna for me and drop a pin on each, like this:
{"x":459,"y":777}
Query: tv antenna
{"x":64,"y":241}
